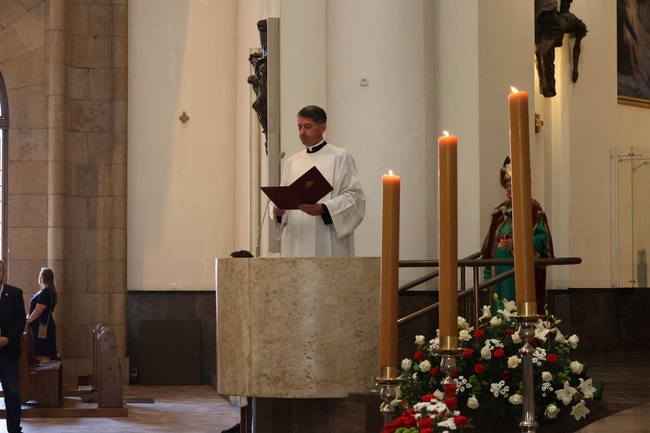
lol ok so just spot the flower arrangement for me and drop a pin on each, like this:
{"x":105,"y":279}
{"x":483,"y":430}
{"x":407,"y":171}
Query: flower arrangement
{"x":431,"y":415}
{"x":489,"y":376}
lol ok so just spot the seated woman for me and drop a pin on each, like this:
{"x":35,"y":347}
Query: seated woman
{"x":40,"y":319}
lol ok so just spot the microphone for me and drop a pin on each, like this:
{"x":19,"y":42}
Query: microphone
{"x":281,"y":155}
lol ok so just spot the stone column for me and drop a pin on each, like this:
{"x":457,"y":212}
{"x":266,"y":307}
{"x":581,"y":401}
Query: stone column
{"x":55,"y":94}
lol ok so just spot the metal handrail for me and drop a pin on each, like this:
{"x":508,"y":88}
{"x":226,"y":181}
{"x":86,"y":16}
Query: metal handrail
{"x":432,"y":275}
{"x":477,"y":286}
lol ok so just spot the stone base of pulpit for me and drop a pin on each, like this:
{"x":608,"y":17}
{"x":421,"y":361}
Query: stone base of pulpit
{"x":359,"y":413}
{"x":297,"y":335}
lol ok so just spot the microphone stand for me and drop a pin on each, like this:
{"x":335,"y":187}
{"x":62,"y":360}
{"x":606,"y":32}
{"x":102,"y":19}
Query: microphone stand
{"x":259,"y":229}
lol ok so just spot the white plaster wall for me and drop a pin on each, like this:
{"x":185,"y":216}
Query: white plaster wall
{"x":457,"y":105}
{"x":303,"y":65}
{"x":180,"y":177}
{"x":589,"y":131}
{"x":386,"y":125}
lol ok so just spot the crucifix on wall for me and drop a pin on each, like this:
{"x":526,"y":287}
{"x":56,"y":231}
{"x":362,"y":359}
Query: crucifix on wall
{"x":551,"y":24}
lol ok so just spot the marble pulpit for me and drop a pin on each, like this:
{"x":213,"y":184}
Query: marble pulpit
{"x":297,"y":327}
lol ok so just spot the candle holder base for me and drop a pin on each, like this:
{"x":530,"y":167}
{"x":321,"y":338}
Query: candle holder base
{"x":388,"y":393}
{"x":526,"y":329}
{"x":448,"y":363}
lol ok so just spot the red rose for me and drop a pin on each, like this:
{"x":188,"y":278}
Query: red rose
{"x":428,"y":397}
{"x":467,"y":353}
{"x":499,"y":353}
{"x":451,"y":403}
{"x":450,"y":390}
{"x":418,"y":355}
{"x":551,"y":358}
{"x":406,"y":420}
{"x":460,"y":421}
{"x":434,"y":371}
{"x":479,"y":368}
{"x":478,"y":333}
{"x":505,"y":375}
{"x":509,"y":332}
{"x":426,"y":422}
{"x":454,"y":374}
{"x":426,"y":430}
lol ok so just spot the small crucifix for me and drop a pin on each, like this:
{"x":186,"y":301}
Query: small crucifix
{"x":184,"y":118}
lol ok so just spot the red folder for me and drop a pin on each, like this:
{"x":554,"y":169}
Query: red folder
{"x":307,"y":189}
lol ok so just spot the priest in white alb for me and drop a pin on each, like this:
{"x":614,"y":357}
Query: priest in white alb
{"x":326,"y":228}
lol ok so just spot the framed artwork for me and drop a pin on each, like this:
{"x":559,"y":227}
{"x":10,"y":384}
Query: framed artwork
{"x":633,"y":52}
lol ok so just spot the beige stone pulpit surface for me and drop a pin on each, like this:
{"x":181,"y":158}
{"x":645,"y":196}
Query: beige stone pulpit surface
{"x":297,"y":327}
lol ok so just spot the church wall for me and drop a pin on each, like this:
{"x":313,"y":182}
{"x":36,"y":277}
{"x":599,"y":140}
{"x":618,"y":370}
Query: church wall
{"x":457,"y":99}
{"x":389,"y":124}
{"x":582,"y":138}
{"x":181,"y":175}
{"x":64,"y":64}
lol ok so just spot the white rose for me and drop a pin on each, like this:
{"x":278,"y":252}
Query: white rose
{"x":513,"y":361}
{"x":464,"y":335}
{"x":462,"y":323}
{"x":439,"y":395}
{"x":576,"y":367}
{"x":419,"y":339}
{"x":573,"y":341}
{"x":406,"y":364}
{"x":547,"y":376}
{"x":551,"y":411}
{"x":516,"y":399}
{"x":472,"y":402}
{"x":425,"y":366}
{"x":516,"y":338}
{"x":495,"y":321}
{"x":486,"y":353}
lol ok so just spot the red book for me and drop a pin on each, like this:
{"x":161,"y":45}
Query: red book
{"x":307,"y":189}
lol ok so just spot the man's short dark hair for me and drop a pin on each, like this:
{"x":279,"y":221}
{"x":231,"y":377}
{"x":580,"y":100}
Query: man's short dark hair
{"x":315,"y":113}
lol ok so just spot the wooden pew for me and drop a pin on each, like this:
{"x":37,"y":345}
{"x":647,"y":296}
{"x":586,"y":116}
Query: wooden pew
{"x":107,"y":374}
{"x":38,"y":382}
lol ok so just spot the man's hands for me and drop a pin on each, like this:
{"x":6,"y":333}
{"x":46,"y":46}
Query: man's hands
{"x":277,"y":211}
{"x":315,"y":209}
{"x":312,"y":209}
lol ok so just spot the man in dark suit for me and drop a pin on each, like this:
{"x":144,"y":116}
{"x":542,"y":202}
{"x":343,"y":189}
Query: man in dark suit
{"x":12,"y":324}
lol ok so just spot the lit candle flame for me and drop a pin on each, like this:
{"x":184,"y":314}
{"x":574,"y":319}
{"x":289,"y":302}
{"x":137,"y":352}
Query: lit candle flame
{"x":390,"y":172}
{"x":446,"y":133}
{"x":514,"y":90}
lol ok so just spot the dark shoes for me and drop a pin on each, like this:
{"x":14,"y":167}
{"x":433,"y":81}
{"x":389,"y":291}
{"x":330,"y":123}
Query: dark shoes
{"x":235,"y":429}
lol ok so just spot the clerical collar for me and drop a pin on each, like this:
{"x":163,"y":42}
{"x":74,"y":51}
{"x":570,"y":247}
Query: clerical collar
{"x":316,"y":147}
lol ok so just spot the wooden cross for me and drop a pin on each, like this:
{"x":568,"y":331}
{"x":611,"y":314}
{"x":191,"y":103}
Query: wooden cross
{"x":184,"y":118}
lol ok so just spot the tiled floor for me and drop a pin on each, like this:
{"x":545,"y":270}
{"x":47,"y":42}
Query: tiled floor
{"x":179,"y":409}
{"x":627,"y":391}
